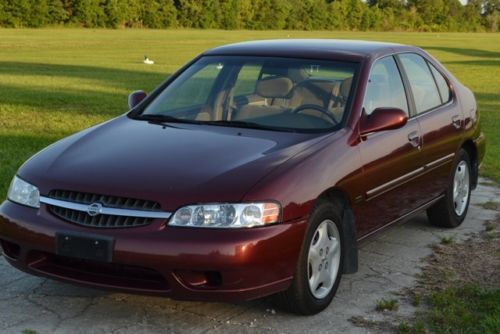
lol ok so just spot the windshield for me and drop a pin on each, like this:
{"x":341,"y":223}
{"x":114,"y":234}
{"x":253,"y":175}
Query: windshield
{"x":260,"y":92}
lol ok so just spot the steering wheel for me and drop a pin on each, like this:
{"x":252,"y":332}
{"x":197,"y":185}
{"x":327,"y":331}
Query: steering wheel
{"x":317,"y":108}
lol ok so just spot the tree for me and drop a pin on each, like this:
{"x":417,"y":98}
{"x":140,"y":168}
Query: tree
{"x":491,"y":9}
{"x":167,"y":14}
{"x":430,"y":11}
{"x":246,"y":12}
{"x":272,"y":14}
{"x":307,"y":15}
{"x":17,"y":13}
{"x":151,"y":14}
{"x":230,"y":16}
{"x":116,"y":13}
{"x":355,"y":9}
{"x":89,"y":13}
{"x":452,"y":10}
{"x":38,"y":14}
{"x":3,"y":13}
{"x":337,"y":15}
{"x":56,"y":13}
{"x":472,"y":15}
{"x":426,"y":15}
{"x":133,"y":13}
{"x":189,"y":13}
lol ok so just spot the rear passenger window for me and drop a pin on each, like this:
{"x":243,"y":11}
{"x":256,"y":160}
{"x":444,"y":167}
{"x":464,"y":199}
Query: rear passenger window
{"x":247,"y":79}
{"x":385,"y":88}
{"x":422,"y":82}
{"x":444,"y":89}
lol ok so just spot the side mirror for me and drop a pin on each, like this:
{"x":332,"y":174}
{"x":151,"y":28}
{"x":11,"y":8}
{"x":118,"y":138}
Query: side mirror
{"x":135,"y":98}
{"x":382,"y":119}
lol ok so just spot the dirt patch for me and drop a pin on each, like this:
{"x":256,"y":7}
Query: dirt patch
{"x":476,"y":260}
{"x":380,"y":326}
{"x":491,"y":205}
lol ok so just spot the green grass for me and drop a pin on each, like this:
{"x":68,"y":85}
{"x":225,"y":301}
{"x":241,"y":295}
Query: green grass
{"x":29,"y":331}
{"x":387,"y":305}
{"x":446,"y":240}
{"x":468,"y":309}
{"x":491,"y":205}
{"x":54,"y":82}
{"x":418,"y":327}
{"x":488,"y":227}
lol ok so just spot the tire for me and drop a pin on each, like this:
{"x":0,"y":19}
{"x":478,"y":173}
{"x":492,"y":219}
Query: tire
{"x":320,"y":264}
{"x":451,"y":210}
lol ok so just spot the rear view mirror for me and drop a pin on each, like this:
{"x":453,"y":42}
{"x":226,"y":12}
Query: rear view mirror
{"x":382,"y":119}
{"x":135,"y":98}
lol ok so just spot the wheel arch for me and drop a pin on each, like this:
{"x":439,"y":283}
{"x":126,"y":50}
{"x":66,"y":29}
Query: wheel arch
{"x":471,"y":150}
{"x":339,"y":197}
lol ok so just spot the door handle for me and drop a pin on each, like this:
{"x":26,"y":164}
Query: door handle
{"x":414,"y":139}
{"x":457,"y":121}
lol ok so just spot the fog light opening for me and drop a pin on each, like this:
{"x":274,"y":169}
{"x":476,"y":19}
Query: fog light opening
{"x":214,"y":278}
{"x":10,"y":249}
{"x":200,"y":279}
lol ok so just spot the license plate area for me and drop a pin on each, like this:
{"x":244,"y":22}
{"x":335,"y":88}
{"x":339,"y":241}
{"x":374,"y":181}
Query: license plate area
{"x":85,"y":246}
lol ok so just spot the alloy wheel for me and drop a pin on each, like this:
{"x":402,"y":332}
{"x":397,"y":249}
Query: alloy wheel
{"x":461,"y":184}
{"x":323,"y":259}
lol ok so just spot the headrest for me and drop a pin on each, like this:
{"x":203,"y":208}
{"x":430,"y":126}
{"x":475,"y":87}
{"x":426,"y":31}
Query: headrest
{"x":345,"y":86}
{"x":274,"y":87}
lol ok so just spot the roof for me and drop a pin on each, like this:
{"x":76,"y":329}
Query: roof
{"x":310,"y":48}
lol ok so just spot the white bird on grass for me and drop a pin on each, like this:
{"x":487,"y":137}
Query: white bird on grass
{"x":148,"y":61}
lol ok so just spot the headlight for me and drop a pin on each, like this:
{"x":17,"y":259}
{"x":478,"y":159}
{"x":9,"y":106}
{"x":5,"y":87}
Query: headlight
{"x":24,"y":193}
{"x":227,"y":215}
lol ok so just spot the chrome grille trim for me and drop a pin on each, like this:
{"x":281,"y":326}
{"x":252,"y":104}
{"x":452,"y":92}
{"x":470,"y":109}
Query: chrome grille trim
{"x":106,"y":210}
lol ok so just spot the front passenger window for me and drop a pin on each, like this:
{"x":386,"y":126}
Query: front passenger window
{"x":385,"y":87}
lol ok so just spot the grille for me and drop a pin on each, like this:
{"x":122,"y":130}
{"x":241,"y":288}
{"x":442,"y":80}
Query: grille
{"x":102,"y":220}
{"x":131,"y":278}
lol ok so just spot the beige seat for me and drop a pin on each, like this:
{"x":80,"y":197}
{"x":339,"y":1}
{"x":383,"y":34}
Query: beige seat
{"x":316,"y":91}
{"x":329,"y":95}
{"x":343,"y":94}
{"x":277,"y":87}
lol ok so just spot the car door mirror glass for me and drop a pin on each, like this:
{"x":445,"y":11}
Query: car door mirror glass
{"x":135,"y":98}
{"x":382,"y":119}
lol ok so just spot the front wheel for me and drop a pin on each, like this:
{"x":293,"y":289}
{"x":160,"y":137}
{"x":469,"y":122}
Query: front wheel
{"x":451,"y":210}
{"x":319,"y":269}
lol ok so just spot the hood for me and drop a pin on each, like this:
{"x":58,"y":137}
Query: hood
{"x":175,"y":165}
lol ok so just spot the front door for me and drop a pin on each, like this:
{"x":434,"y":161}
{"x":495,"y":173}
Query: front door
{"x":392,"y":159}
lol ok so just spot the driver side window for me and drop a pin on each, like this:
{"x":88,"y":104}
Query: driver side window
{"x":385,"y":87}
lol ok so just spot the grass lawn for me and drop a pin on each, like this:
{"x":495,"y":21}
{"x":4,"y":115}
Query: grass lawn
{"x":54,"y":82}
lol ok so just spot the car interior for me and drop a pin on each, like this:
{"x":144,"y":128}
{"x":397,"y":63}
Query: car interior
{"x":296,"y":101}
{"x":320,"y":98}
{"x":273,"y":95}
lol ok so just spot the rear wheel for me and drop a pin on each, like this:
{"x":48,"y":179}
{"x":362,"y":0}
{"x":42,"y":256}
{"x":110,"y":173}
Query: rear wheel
{"x":451,"y":210}
{"x":319,"y":269}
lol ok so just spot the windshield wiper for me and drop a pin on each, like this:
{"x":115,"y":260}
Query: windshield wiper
{"x":161,"y":119}
{"x":248,"y":125}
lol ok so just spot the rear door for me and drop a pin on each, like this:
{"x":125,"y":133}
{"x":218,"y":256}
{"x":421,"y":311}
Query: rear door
{"x":440,"y":118}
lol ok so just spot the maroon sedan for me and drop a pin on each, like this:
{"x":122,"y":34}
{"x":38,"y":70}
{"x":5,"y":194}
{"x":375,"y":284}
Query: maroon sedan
{"x":254,"y":170}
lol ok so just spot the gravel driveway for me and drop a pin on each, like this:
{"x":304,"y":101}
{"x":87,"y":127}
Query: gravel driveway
{"x":388,"y":263}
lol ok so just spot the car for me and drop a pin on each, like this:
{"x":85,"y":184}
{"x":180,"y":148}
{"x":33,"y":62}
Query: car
{"x":255,"y":170}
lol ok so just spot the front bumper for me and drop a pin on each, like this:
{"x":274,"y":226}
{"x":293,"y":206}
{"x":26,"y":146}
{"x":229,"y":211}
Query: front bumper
{"x":182,"y":263}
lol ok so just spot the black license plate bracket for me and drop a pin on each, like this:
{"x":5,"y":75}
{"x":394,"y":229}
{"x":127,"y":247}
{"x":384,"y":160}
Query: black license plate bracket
{"x":85,"y":246}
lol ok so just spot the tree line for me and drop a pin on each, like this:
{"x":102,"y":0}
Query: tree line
{"x":404,"y":15}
